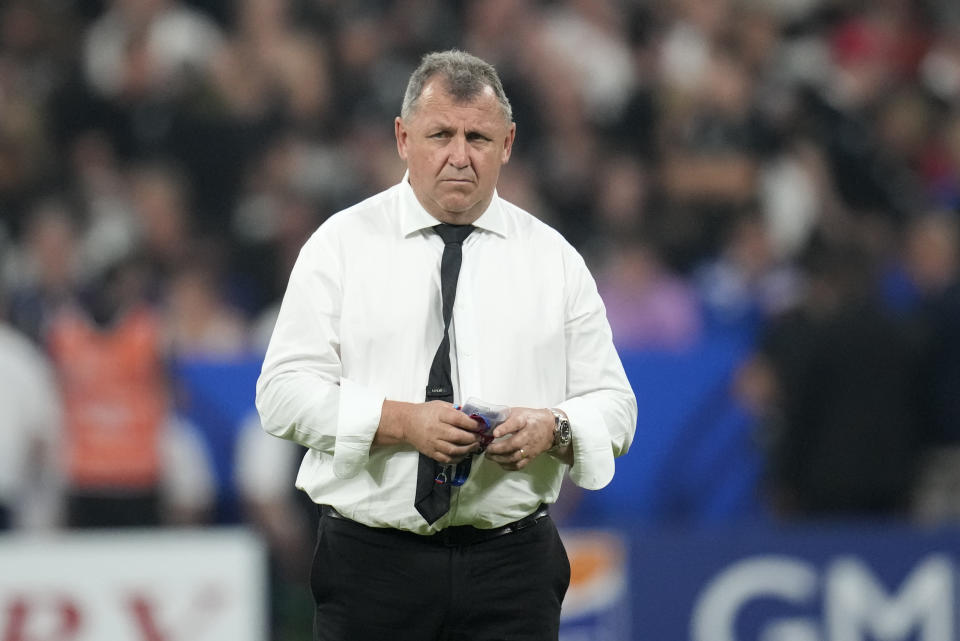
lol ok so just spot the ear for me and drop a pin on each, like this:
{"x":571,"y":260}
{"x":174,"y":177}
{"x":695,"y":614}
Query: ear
{"x":508,"y":143}
{"x":401,"y":133}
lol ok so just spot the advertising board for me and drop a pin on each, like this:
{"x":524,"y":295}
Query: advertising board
{"x":126,"y":586}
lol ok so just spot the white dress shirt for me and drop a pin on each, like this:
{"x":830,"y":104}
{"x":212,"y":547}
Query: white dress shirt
{"x":361,"y":321}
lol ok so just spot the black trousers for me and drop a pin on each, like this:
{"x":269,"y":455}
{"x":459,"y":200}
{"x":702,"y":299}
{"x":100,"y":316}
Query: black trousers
{"x":375,"y":584}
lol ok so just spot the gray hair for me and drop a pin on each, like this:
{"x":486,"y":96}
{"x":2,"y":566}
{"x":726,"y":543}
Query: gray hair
{"x":464,"y":75}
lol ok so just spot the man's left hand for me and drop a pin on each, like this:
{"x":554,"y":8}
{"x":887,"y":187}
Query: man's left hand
{"x":531,"y":435}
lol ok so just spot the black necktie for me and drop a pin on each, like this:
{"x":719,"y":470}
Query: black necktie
{"x":432,"y":499}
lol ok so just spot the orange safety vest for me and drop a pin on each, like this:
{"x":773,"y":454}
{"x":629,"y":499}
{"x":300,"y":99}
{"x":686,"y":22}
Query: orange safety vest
{"x":115,"y":399}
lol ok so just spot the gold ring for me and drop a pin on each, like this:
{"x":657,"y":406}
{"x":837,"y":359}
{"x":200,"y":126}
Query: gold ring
{"x":522,"y":453}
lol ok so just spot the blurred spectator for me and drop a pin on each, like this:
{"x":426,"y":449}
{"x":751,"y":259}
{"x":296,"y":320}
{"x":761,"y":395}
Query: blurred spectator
{"x":933,"y":263}
{"x":690,"y":29}
{"x":147,"y":49}
{"x":872,"y":53}
{"x":941,"y":163}
{"x":495,"y":30}
{"x":792,"y":195}
{"x":647,"y":306}
{"x":586,"y":38}
{"x":622,"y":195}
{"x":746,"y":285}
{"x":940,"y":67}
{"x":279,"y":208}
{"x":159,"y":195}
{"x":710,"y":167}
{"x":569,"y":151}
{"x":109,"y":362}
{"x":187,"y":487}
{"x":49,"y":271}
{"x":840,"y":383}
{"x":271,"y":64}
{"x":31,"y":60}
{"x":98,"y":186}
{"x":201,"y":323}
{"x":30,"y":431}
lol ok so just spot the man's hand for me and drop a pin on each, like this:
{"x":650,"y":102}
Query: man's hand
{"x":531,"y":435}
{"x":435,"y":429}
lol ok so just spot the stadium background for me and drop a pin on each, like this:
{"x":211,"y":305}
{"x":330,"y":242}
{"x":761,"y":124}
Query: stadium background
{"x":766,"y":191}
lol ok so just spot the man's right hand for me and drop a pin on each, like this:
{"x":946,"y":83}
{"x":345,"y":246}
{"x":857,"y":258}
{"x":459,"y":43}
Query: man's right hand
{"x":436,"y":429}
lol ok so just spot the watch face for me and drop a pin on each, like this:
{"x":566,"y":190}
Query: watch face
{"x":562,"y":435}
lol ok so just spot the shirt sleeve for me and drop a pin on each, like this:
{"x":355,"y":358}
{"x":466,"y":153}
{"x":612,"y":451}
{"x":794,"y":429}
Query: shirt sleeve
{"x":600,"y":403}
{"x":301,"y":395}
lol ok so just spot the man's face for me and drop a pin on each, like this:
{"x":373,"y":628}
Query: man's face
{"x":454,"y":151}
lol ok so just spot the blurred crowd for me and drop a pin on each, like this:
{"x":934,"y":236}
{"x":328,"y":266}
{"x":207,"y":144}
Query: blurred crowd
{"x":788,"y":170}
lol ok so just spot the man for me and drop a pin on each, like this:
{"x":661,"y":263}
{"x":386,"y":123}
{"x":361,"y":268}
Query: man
{"x":108,"y":358}
{"x":402,"y":552}
{"x":29,"y":430}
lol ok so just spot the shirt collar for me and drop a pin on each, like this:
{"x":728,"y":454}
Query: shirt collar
{"x":414,"y":217}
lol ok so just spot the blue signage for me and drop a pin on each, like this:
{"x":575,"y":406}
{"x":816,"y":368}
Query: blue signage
{"x":836,"y":582}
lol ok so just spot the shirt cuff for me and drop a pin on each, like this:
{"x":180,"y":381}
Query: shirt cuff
{"x":593,"y":464}
{"x":357,"y":421}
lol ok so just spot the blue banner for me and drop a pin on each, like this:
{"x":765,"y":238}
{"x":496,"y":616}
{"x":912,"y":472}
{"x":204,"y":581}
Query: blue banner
{"x":836,"y":582}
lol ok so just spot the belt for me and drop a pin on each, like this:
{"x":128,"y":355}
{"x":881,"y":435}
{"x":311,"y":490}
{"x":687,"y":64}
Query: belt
{"x":454,"y":535}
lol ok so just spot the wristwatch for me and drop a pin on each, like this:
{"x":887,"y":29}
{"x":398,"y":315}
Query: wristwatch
{"x":561,"y":430}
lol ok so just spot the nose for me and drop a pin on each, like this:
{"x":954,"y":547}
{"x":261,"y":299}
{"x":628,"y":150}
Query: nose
{"x":458,"y":157}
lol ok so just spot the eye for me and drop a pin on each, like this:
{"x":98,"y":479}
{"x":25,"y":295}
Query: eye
{"x":477,"y":137}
